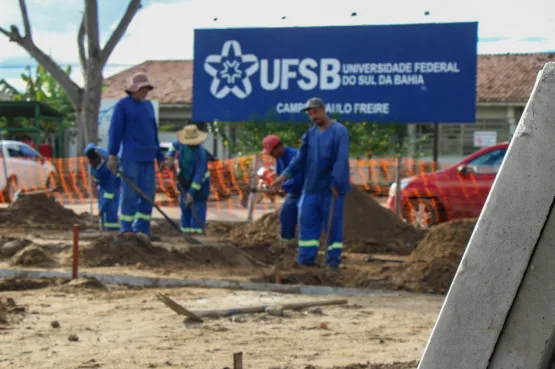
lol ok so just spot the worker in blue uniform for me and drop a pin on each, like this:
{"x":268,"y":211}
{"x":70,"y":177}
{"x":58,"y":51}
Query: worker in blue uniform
{"x":107,"y":185}
{"x":133,"y":141}
{"x":288,"y":213}
{"x":324,"y":160}
{"x":193,"y":177}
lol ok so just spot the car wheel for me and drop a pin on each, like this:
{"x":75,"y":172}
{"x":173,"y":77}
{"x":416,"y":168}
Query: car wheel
{"x":421,"y":213}
{"x":11,"y":189}
{"x":50,"y":181}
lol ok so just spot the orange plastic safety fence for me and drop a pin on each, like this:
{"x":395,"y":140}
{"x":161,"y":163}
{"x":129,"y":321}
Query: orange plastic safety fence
{"x":431,"y":201}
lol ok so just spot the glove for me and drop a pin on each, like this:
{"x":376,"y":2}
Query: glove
{"x":189,"y":200}
{"x":113,"y":163}
{"x":168,"y":163}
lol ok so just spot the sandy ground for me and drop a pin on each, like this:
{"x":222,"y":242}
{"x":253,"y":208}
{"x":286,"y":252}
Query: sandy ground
{"x":124,"y":328}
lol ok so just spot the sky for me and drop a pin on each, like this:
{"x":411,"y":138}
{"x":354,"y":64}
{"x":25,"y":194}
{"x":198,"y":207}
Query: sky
{"x":163,"y":29}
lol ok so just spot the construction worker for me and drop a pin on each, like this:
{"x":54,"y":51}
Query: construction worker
{"x":324,"y":160}
{"x":108,"y":187}
{"x":133,"y":139}
{"x":288,"y":213}
{"x":193,"y":177}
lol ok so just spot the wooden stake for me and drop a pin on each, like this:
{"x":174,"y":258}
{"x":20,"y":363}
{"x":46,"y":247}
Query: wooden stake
{"x":238,"y":360}
{"x":75,"y":265}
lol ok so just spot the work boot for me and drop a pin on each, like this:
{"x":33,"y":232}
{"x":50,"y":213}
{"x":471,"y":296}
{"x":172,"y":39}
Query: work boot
{"x":332,"y":268}
{"x":143,"y":238}
{"x":127,"y":234}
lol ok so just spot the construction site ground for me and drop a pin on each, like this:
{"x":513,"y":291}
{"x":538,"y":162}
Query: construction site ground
{"x":122,"y":327}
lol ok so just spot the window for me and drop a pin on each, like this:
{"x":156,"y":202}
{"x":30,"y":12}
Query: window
{"x":28,"y":153}
{"x":14,"y":152}
{"x":489,"y":162}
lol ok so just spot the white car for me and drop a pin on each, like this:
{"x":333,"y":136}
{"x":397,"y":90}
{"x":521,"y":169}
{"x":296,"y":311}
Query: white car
{"x":26,"y":169}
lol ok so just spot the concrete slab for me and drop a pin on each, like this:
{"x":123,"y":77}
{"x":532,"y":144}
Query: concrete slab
{"x":141,"y":281}
{"x":506,"y":234}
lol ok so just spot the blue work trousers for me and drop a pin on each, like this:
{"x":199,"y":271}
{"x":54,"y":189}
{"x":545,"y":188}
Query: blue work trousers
{"x":288,"y":217}
{"x":136,"y":212}
{"x":110,"y":221}
{"x":313,"y":217}
{"x":189,"y":215}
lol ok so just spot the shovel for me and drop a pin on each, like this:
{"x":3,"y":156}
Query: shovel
{"x":188,"y":239}
{"x":248,"y":191}
{"x":22,"y":193}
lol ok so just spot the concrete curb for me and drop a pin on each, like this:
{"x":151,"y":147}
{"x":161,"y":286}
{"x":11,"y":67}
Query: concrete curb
{"x":136,"y":281}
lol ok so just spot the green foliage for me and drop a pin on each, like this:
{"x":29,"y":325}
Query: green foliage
{"x":41,"y":87}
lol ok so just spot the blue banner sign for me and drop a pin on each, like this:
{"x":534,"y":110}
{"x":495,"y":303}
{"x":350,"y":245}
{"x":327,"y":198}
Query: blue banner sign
{"x":419,"y":73}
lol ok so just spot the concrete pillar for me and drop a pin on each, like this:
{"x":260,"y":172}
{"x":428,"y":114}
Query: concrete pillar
{"x":500,"y":250}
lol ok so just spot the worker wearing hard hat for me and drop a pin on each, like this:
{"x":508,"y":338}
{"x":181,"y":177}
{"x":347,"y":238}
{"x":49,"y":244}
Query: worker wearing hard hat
{"x":324,"y":160}
{"x":108,"y":187}
{"x":288,"y":213}
{"x":193,"y":178}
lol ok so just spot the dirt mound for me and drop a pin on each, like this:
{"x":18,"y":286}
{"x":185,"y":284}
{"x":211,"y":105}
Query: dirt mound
{"x":39,"y":211}
{"x":371,"y":228}
{"x":9,"y":246}
{"x":368,"y":228}
{"x":10,"y":312}
{"x":33,"y":255}
{"x":433,"y":264}
{"x":24,"y":284}
{"x":263,"y":231}
{"x":110,"y":250}
{"x":85,"y":283}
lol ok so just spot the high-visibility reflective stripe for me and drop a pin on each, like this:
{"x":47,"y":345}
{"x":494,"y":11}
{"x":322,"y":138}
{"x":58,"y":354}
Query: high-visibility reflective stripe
{"x":196,"y":230}
{"x":127,"y":218}
{"x":287,"y":239}
{"x":309,"y":243}
{"x":111,"y":225}
{"x":109,"y":196}
{"x":96,"y":180}
{"x":335,"y":246}
{"x":206,"y":175}
{"x":142,"y":216}
{"x":186,"y":230}
{"x":195,"y":186}
{"x":172,"y":149}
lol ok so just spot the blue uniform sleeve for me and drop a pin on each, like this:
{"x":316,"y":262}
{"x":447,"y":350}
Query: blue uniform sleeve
{"x":174,"y":148}
{"x":108,"y":182}
{"x":201,"y":172}
{"x":117,"y":126}
{"x":298,"y":164}
{"x":294,"y":184}
{"x":341,"y":175}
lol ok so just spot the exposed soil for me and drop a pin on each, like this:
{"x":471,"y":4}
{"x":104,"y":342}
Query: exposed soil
{"x":368,"y":228}
{"x":110,"y":250}
{"x":10,"y":312}
{"x":432,"y":265}
{"x":9,"y":246}
{"x":40,"y":211}
{"x":33,"y":255}
{"x":24,"y":284}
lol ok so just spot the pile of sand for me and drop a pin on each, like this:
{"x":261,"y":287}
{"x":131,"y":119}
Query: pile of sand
{"x":39,"y":211}
{"x":433,"y":264}
{"x":110,"y":250}
{"x":368,"y":228}
{"x":33,"y":255}
{"x":10,"y":312}
{"x":9,"y":246}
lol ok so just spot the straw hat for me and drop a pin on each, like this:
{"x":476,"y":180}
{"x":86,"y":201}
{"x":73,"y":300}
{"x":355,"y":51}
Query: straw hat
{"x":138,"y":81}
{"x":190,"y":135}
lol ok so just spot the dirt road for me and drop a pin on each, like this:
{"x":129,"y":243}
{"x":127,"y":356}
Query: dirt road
{"x":121,"y":328}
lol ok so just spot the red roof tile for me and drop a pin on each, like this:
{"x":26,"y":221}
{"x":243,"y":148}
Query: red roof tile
{"x":502,"y":78}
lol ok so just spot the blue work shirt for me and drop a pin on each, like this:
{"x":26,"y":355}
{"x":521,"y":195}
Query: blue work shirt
{"x":107,"y":182}
{"x":133,"y":133}
{"x":324,"y":159}
{"x":294,"y":185}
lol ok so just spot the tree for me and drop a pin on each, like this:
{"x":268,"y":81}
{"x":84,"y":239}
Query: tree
{"x":42,"y":87}
{"x":93,"y":58}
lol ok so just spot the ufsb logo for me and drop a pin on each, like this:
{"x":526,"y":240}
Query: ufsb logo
{"x":231,"y":72}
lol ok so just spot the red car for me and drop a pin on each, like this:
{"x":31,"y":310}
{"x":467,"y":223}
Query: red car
{"x":459,"y":191}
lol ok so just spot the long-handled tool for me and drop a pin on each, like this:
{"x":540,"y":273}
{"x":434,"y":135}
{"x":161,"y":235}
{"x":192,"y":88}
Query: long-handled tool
{"x":327,"y":234}
{"x":22,"y":193}
{"x":248,"y":191}
{"x":154,"y":205}
{"x":191,"y":209}
{"x":198,"y":315}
